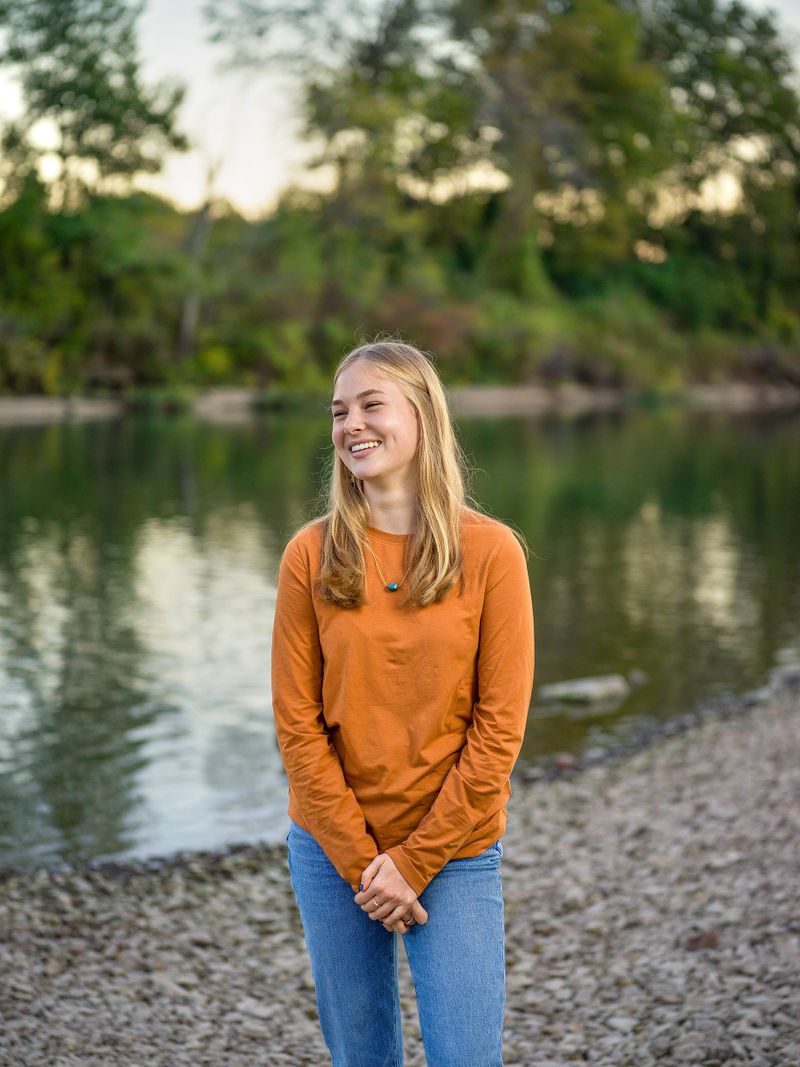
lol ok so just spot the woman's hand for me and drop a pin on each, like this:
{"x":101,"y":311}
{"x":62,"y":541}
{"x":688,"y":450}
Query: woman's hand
{"x":382,"y":882}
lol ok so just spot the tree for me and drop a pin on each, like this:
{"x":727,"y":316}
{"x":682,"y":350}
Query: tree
{"x":547,"y":99}
{"x":77,"y":64}
{"x":732,"y":78}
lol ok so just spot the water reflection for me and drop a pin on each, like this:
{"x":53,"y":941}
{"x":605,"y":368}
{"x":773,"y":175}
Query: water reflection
{"x":137,"y":567}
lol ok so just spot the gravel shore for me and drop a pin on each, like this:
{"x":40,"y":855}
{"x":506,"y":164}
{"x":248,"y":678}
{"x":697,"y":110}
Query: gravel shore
{"x":651,"y":918}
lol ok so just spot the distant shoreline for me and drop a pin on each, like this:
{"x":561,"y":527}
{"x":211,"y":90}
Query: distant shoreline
{"x":234,"y":404}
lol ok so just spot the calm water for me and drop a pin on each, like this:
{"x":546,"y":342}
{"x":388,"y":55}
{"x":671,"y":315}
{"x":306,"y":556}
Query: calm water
{"x":137,"y":568}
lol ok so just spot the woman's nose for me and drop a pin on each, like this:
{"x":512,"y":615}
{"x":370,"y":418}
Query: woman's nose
{"x":353,"y":422}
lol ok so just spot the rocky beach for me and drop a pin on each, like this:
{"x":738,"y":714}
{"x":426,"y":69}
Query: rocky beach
{"x":651,"y":918}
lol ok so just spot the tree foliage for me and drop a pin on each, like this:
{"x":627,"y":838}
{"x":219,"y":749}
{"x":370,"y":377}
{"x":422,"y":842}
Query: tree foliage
{"x":78,"y":69}
{"x":521,"y":186}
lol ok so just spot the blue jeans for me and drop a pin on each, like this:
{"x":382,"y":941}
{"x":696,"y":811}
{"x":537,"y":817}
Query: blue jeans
{"x":457,"y":961}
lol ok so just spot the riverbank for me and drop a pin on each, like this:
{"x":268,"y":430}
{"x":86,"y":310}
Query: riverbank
{"x":238,"y":404}
{"x":650,"y":913}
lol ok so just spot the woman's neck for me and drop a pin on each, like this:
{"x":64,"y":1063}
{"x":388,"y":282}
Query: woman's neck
{"x":392,"y":504}
{"x":398,"y":520}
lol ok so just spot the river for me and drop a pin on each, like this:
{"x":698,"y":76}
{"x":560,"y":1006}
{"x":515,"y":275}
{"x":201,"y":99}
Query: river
{"x":137,"y":564}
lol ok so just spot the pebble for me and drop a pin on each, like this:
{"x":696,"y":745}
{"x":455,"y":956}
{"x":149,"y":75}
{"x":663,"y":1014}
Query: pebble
{"x":662,"y":928}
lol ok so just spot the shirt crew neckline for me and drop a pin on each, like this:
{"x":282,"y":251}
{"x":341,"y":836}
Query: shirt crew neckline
{"x":385,"y":535}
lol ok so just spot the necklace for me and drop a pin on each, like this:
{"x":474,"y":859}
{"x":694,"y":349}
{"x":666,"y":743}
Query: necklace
{"x":391,"y":586}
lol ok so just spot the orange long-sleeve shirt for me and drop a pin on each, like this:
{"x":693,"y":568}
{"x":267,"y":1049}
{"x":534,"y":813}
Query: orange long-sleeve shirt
{"x":399,"y":725}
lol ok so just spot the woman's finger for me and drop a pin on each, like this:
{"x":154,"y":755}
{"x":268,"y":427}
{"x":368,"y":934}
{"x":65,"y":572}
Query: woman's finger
{"x":396,"y":915}
{"x":381,"y":912}
{"x":384,"y":912}
{"x":396,"y":926}
{"x":419,"y":913}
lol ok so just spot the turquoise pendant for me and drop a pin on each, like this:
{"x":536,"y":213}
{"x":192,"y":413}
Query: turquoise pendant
{"x":392,"y":586}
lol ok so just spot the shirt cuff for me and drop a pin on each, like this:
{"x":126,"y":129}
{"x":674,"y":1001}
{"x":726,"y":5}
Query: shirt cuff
{"x":404,"y":865}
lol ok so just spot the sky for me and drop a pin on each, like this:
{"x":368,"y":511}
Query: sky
{"x":246,"y":127}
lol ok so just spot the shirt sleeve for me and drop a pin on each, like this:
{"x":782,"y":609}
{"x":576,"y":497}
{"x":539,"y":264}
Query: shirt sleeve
{"x":329,"y":806}
{"x":475,"y":782}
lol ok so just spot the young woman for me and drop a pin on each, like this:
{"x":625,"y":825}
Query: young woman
{"x":402,"y":671}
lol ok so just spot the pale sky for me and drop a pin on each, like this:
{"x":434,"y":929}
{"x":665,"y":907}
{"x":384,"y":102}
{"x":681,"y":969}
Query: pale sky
{"x":243,"y":124}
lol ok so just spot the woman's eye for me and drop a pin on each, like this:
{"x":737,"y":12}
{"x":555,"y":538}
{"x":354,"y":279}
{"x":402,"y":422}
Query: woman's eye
{"x":371,"y":404}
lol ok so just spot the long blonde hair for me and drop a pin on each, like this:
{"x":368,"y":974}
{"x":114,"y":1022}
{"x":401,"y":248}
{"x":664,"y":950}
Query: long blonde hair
{"x":433,"y":552}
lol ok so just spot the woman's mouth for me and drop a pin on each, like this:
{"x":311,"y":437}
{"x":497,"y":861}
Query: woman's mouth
{"x":365,"y":451}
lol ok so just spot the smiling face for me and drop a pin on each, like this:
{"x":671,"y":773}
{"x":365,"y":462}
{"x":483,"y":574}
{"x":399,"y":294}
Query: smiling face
{"x":369,"y":406}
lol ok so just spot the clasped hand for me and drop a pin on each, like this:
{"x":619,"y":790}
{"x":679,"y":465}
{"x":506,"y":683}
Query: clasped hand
{"x":396,"y":899}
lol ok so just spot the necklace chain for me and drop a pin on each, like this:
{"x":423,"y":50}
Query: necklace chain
{"x":391,"y":586}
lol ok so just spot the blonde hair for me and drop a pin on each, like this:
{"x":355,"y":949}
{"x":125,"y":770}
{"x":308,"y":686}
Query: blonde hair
{"x":433,"y":552}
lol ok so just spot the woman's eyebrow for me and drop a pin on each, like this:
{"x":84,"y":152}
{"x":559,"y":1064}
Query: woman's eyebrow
{"x":364,"y":392}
